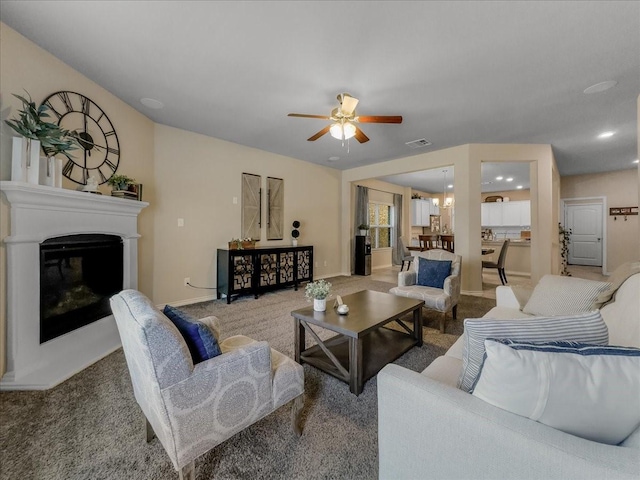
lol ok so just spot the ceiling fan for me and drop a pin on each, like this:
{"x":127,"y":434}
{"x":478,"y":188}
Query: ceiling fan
{"x":344,"y":119}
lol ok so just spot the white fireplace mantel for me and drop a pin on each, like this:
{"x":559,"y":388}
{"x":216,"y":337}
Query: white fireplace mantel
{"x":37,"y":213}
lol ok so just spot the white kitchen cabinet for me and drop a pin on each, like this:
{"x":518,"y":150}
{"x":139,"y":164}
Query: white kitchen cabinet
{"x":491,"y":214}
{"x":420,"y":212}
{"x":506,"y":214}
{"x":525,"y":213}
{"x":511,"y":213}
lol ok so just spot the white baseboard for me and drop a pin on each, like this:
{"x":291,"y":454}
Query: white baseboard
{"x":189,"y":301}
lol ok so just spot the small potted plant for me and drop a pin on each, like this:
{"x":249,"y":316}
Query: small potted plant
{"x":120,"y":182}
{"x":318,"y":292}
{"x":364,"y":229}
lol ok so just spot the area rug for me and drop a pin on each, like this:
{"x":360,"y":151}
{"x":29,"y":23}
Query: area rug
{"x":90,"y":426}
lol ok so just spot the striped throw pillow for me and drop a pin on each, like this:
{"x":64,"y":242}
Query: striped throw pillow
{"x":590,"y":391}
{"x":559,"y":295}
{"x":585,"y":328}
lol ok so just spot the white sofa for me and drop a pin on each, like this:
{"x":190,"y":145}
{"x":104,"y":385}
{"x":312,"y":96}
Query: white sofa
{"x":428,"y":428}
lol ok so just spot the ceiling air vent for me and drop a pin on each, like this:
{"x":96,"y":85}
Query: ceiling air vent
{"x":418,"y":143}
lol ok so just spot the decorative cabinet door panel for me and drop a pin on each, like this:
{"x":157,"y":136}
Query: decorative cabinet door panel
{"x":275,"y":208}
{"x":286,"y":267}
{"x":251,"y":206}
{"x":268,"y":269}
{"x":305,"y":264}
{"x":242,"y":272}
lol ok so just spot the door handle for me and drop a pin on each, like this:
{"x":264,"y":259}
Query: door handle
{"x":598,"y":239}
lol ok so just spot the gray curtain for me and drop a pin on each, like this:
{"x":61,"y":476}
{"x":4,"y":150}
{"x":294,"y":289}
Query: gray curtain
{"x":362,"y":207}
{"x":397,"y":253}
{"x":361,"y":216}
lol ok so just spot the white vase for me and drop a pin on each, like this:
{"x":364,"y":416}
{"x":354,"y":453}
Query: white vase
{"x":320,"y":305}
{"x":48,"y":171}
{"x":25,"y":160}
{"x":294,"y":242}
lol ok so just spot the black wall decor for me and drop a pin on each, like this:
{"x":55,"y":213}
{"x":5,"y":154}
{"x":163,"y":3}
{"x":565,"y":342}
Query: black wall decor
{"x":99,"y":152}
{"x":295,"y":233}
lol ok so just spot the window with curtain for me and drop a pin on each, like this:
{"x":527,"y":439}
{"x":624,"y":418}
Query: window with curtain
{"x":380,"y":223}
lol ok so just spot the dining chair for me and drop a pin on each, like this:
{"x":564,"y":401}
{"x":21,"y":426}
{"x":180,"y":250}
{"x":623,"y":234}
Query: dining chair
{"x":406,"y":254}
{"x":447,"y":242}
{"x":500,"y":263}
{"x":428,"y":242}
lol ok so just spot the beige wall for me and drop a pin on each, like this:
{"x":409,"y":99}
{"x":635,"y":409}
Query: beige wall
{"x":620,"y":189}
{"x":197,"y":178}
{"x":467,"y":162}
{"x":25,"y":66}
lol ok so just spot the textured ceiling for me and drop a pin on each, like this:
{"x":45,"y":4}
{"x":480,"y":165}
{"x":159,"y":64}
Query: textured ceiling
{"x":458,"y":72}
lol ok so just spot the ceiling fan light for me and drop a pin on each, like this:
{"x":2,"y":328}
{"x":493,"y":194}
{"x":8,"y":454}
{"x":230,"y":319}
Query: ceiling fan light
{"x":349,"y":130}
{"x":336,"y":131}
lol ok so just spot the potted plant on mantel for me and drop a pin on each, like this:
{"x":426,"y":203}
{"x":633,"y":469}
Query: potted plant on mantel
{"x":318,"y":292}
{"x":36,"y":133}
{"x":121,"y":185}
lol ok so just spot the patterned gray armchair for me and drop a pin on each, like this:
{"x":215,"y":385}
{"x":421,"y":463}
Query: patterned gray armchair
{"x":192,"y":408}
{"x":440,"y":299}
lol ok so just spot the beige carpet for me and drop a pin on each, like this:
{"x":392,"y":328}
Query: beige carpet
{"x":90,"y":427}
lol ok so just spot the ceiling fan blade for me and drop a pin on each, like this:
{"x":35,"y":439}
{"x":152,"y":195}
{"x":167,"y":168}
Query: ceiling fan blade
{"x":379,"y":119}
{"x":319,"y":134}
{"x":304,"y":115}
{"x":360,"y":136}
{"x":348,"y":104}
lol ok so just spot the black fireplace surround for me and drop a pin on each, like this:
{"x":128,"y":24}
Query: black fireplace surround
{"x":78,"y":275}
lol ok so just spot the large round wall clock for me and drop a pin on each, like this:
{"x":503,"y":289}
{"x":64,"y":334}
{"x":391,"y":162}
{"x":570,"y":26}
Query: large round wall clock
{"x":99,"y":152}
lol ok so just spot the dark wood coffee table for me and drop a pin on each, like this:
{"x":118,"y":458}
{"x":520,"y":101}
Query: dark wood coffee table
{"x":363,"y":345}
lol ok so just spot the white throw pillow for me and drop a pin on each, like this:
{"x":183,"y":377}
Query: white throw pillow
{"x":558,"y":295}
{"x":584,"y":327}
{"x":590,"y":391}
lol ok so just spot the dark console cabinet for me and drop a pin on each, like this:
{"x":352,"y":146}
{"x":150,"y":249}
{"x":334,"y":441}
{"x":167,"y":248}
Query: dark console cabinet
{"x":363,"y":255}
{"x":258,"y":270}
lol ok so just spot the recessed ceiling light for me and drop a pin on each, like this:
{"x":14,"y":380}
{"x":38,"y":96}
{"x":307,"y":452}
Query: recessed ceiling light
{"x":519,"y":187}
{"x":600,"y":87}
{"x":449,"y":186}
{"x":333,"y":159}
{"x":510,"y":179}
{"x":152,"y":103}
{"x":499,"y":178}
{"x":606,"y":134}
{"x":636,"y":161}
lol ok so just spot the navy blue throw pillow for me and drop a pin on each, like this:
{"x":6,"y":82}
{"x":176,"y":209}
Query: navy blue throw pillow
{"x":431,"y":273}
{"x":202,"y":344}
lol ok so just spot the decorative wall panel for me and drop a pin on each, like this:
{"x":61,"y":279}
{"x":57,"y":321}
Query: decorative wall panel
{"x":275,"y":208}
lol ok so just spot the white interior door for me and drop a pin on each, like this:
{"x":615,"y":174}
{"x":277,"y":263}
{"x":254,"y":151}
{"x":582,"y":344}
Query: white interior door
{"x":585,"y":222}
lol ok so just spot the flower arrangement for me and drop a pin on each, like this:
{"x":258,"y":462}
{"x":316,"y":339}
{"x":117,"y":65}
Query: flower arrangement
{"x":241,"y":243}
{"x":319,"y":290}
{"x":31,"y":124}
{"x":120,"y":182}
{"x":363,"y":226}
